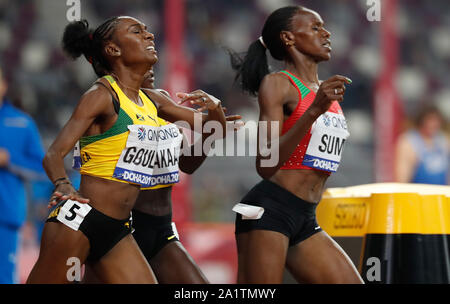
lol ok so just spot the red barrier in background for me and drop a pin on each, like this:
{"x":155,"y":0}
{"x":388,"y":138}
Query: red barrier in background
{"x":177,"y":79}
{"x":213,"y":248}
{"x":387,"y":105}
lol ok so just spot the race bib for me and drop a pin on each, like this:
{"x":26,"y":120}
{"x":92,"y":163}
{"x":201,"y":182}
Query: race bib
{"x":328,"y":135}
{"x":151,"y":155}
{"x":72,"y":214}
{"x":76,"y":162}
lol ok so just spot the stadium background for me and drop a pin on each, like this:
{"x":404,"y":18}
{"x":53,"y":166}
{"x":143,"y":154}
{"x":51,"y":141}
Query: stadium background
{"x":406,"y":54}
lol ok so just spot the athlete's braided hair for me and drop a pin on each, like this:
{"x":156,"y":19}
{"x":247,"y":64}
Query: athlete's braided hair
{"x":79,"y":40}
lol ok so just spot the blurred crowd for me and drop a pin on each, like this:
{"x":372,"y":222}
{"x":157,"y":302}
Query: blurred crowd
{"x":45,"y":84}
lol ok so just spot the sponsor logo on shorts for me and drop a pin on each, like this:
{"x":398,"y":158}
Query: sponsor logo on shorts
{"x":54,"y":213}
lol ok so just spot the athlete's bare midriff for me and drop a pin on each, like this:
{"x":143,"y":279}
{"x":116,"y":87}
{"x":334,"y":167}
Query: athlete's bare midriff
{"x":305,"y":184}
{"x":156,"y":202}
{"x":114,"y":199}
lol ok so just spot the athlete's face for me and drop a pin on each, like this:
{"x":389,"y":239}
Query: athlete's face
{"x":431,"y":124}
{"x":309,"y":35}
{"x":133,"y":43}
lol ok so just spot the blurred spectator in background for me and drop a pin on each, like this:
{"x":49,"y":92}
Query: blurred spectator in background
{"x":422,"y":154}
{"x":21,"y":155}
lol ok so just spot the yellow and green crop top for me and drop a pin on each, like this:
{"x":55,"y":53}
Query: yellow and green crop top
{"x":128,"y":152}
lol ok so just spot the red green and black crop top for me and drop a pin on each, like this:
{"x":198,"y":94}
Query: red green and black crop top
{"x":321,"y":148}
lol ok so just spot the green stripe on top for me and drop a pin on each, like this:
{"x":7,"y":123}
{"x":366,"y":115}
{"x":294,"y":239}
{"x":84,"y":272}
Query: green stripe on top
{"x":110,"y":78}
{"x":303,"y":89}
{"x":121,"y":126}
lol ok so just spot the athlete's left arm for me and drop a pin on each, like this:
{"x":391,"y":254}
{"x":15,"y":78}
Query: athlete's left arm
{"x":175,"y":112}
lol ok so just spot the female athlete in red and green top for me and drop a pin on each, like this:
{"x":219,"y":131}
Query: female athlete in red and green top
{"x":311,"y":137}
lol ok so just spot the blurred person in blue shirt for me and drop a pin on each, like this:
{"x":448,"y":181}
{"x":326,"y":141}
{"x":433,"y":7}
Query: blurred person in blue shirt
{"x":422,"y":154}
{"x":21,"y":155}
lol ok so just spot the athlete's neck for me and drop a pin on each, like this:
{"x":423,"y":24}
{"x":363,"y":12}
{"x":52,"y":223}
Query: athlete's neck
{"x":427,"y":137}
{"x":129,"y":81}
{"x":305,"y":67}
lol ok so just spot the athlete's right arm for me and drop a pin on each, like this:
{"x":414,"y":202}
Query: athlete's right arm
{"x":272,"y":97}
{"x":94,"y":103}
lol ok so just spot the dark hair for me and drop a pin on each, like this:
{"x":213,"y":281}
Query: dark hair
{"x":254,"y":66}
{"x":79,"y":40}
{"x":425,"y":111}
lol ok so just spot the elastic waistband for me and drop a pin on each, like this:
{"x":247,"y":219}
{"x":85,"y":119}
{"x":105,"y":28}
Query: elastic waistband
{"x":142,"y":219}
{"x":107,"y":218}
{"x":282,"y":195}
{"x":94,"y":214}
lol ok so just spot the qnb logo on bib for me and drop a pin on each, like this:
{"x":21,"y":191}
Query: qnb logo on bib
{"x":328,"y":135}
{"x":150,"y":157}
{"x":141,"y":134}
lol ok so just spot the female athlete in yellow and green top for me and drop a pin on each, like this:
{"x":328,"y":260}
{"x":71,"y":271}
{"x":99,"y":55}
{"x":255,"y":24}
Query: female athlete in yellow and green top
{"x":154,"y":231}
{"x":117,"y":125}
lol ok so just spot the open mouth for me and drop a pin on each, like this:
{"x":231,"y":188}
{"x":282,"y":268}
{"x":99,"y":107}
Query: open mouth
{"x":327,"y":44}
{"x":151,"y":48}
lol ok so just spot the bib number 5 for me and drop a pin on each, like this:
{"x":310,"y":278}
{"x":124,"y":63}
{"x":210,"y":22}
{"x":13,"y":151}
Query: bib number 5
{"x":73,"y":213}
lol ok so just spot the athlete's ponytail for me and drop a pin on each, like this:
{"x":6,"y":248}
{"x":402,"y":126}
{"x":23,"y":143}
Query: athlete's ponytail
{"x":254,"y":66}
{"x":79,"y":39}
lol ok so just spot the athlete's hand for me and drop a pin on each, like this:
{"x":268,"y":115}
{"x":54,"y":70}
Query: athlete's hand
{"x":234,"y":120}
{"x":65,"y":191}
{"x":330,"y":90}
{"x":200,"y":98}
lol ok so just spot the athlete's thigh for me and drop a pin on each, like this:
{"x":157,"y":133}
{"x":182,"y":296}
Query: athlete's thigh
{"x":60,"y":247}
{"x":173,"y":265}
{"x":89,"y":276}
{"x":123,"y":264}
{"x":320,"y":260}
{"x":261,"y":256}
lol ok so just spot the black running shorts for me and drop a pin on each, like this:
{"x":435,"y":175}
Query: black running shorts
{"x":153,"y":232}
{"x":284,"y":212}
{"x":102,"y":231}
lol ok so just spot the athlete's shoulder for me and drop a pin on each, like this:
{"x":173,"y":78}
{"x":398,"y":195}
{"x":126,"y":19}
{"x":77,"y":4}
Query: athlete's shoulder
{"x":164,"y":92}
{"x":100,"y":88}
{"x":274,"y":87}
{"x":151,"y":92}
{"x":159,"y":97}
{"x":275,"y":78}
{"x":97,"y":98}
